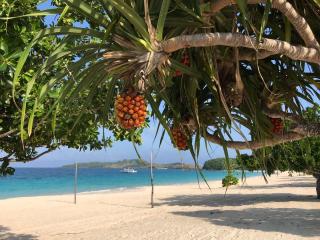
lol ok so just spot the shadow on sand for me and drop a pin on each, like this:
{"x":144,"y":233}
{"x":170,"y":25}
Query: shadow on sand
{"x":293,"y":184}
{"x":219,"y":200}
{"x":294,"y":221}
{"x":301,"y":222}
{"x":5,"y":234}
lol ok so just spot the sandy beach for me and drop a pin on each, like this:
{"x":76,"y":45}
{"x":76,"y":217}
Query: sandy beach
{"x":285,"y":208}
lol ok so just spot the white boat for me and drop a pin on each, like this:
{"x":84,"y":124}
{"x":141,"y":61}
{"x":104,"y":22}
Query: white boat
{"x":128,"y":170}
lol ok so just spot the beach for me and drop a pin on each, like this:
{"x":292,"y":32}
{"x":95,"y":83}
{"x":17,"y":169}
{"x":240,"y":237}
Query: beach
{"x":285,"y":208}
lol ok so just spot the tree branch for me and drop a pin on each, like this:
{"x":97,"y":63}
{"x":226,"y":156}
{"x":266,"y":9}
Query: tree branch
{"x":299,"y":132}
{"x":239,"y":145}
{"x":307,"y":130}
{"x":6,"y":157}
{"x":283,"y":115}
{"x":299,"y":23}
{"x":240,"y":40}
{"x":253,"y":55}
{"x":29,"y":160}
{"x":7,"y":133}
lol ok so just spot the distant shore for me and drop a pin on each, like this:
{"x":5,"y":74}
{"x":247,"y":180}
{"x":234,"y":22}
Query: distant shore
{"x":285,"y":208}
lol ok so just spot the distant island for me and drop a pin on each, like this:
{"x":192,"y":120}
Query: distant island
{"x":133,"y":163}
{"x":219,"y":164}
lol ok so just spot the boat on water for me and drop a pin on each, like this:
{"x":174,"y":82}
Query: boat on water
{"x":128,"y":170}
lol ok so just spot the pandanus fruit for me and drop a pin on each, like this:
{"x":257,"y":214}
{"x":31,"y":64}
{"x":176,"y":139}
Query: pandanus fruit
{"x":180,"y":138}
{"x":277,"y":124}
{"x":130,"y":109}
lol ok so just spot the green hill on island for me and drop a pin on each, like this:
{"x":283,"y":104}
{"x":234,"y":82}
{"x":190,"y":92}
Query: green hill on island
{"x":133,"y":163}
{"x":219,"y":164}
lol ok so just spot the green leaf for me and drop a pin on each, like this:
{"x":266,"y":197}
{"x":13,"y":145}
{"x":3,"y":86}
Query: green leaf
{"x":317,"y":2}
{"x":88,"y":11}
{"x":3,"y":46}
{"x":187,"y":10}
{"x":242,"y":4}
{"x":54,"y":120}
{"x":36,"y":14}
{"x":159,"y":115}
{"x":132,"y":17}
{"x":50,"y":31}
{"x":264,"y":20}
{"x":162,"y":18}
{"x":64,"y":12}
{"x":50,"y":61}
{"x":185,"y":69}
{"x":30,"y":123}
{"x":287,"y":30}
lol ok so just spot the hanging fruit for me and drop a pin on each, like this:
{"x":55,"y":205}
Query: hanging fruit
{"x":130,"y":109}
{"x":180,"y":138}
{"x":277,"y":124}
{"x":186,"y":61}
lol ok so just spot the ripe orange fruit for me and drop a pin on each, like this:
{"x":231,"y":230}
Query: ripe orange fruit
{"x":137,"y":98}
{"x":119,"y":106}
{"x":128,"y":98}
{"x":130,"y":109}
{"x":180,"y":138}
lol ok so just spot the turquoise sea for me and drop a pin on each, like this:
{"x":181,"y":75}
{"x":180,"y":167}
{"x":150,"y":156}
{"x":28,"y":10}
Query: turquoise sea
{"x":48,"y":181}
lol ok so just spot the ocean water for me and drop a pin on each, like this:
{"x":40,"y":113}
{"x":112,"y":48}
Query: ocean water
{"x":48,"y":181}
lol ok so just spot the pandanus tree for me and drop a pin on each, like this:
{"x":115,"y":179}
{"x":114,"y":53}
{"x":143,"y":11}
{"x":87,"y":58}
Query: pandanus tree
{"x":205,"y":68}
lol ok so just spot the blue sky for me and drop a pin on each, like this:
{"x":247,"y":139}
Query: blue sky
{"x":125,"y":150}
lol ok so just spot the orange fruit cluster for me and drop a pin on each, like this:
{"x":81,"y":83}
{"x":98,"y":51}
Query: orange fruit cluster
{"x":180,"y":138}
{"x":277,"y":125}
{"x":186,"y":61}
{"x":131,"y":110}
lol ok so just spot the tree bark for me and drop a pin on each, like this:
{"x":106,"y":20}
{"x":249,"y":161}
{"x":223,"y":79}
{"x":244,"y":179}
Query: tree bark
{"x":8,"y":133}
{"x":299,"y":23}
{"x":283,"y":115}
{"x":28,"y":160}
{"x":318,"y":187}
{"x":240,"y":145}
{"x":239,"y":40}
{"x":317,"y":176}
{"x":254,"y":55}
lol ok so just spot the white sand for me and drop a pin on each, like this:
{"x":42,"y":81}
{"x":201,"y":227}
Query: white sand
{"x":285,"y":208}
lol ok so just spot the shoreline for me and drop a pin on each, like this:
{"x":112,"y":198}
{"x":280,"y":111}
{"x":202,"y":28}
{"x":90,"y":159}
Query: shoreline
{"x":285,"y":208}
{"x":122,"y":189}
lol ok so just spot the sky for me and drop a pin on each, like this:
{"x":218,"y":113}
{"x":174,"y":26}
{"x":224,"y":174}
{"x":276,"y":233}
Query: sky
{"x":124,"y":150}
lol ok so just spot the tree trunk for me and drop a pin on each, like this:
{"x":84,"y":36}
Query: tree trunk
{"x":318,"y":187}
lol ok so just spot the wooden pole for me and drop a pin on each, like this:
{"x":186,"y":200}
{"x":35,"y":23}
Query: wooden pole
{"x":75,"y":187}
{"x":151,"y":179}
